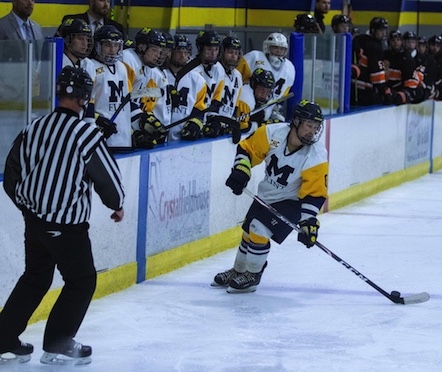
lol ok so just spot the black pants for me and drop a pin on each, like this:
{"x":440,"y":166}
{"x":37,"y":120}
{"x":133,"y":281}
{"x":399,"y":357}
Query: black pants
{"x":48,"y":245}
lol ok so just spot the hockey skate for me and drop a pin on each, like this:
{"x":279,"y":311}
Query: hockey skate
{"x":245,"y":282}
{"x":72,"y":353}
{"x":22,"y":354}
{"x":223,"y":279}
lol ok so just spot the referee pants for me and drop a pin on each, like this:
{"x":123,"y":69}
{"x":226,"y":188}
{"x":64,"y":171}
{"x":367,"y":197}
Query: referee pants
{"x":49,"y":245}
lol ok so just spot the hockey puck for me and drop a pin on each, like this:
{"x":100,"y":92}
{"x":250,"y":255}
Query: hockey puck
{"x":395,"y":294}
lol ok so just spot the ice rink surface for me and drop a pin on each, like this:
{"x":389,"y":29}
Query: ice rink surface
{"x":309,"y":313}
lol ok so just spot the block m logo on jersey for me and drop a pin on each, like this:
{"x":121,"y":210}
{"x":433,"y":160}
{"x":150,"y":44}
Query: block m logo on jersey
{"x":278,"y":87}
{"x":116,"y":93}
{"x":284,"y":172}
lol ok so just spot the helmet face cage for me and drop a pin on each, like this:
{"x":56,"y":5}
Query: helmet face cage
{"x":108,"y":34}
{"x":306,"y":23}
{"x":73,"y":27}
{"x":306,"y":110}
{"x":74,"y":82}
{"x":234,"y":43}
{"x":278,"y":40}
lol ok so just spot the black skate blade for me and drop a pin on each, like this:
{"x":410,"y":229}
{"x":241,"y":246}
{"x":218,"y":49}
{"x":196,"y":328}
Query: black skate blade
{"x":11,"y":358}
{"x":60,"y":359}
{"x":243,"y":290}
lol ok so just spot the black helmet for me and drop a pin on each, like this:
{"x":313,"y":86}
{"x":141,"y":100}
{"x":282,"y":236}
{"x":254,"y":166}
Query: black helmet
{"x":230,"y":63}
{"x":262,"y":77}
{"x":108,"y":33}
{"x":207,"y":38}
{"x":422,"y":40}
{"x":435,"y":39}
{"x":338,"y":19}
{"x":170,"y":41}
{"x":305,"y":109}
{"x":76,"y":26}
{"x":230,"y":42}
{"x":182,"y":41}
{"x":149,"y":36}
{"x":305,"y":23}
{"x":378,"y":23}
{"x":394,"y":34}
{"x":74,"y":82}
{"x":410,"y":35}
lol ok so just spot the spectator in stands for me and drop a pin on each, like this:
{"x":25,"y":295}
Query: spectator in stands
{"x":97,"y":16}
{"x":340,"y":24}
{"x":368,"y":73}
{"x":305,"y":23}
{"x":321,"y":9}
{"x":17,"y":25}
{"x":401,"y":76}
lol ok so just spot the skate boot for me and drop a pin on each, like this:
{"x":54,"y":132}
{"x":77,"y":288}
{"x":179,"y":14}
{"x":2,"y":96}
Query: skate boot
{"x":21,"y":354}
{"x":246,"y":282}
{"x":223,"y":279}
{"x":71,"y":352}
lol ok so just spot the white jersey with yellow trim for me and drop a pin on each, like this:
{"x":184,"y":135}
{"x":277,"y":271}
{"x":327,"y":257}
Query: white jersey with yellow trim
{"x":85,"y":64}
{"x":284,"y":76}
{"x":292,"y":176}
{"x":192,"y":90}
{"x":214,"y":78}
{"x":112,"y":83}
{"x":246,"y":104}
{"x":232,"y":89}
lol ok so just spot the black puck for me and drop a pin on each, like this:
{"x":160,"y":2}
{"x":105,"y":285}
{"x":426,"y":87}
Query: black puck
{"x":395,"y":294}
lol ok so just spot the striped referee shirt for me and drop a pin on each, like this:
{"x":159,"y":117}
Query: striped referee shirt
{"x":54,"y":162}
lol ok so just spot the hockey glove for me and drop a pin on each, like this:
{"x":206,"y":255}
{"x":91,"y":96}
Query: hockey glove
{"x":150,"y":124}
{"x":213,"y":127}
{"x":105,"y":126}
{"x":143,"y":140}
{"x":239,"y":177}
{"x":192,"y":129}
{"x":258,"y":116}
{"x":309,"y":232}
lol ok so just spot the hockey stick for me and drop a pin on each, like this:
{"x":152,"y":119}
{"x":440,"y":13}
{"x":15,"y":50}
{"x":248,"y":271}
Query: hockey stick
{"x":139,"y":93}
{"x":191,"y":116}
{"x":394,"y":296}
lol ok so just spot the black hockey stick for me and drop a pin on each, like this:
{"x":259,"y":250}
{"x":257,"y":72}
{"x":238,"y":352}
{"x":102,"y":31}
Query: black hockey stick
{"x":394,"y":296}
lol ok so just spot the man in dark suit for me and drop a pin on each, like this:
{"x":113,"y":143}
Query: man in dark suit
{"x":97,"y":16}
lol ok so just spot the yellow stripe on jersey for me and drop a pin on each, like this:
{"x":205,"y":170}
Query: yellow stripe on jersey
{"x":257,"y":145}
{"x":200,"y":99}
{"x":314,"y":181}
{"x":244,"y":68}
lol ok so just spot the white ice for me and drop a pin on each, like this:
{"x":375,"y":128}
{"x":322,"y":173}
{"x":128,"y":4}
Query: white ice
{"x":309,"y":313}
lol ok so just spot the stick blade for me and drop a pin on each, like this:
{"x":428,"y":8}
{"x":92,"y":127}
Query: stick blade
{"x":416,"y":298}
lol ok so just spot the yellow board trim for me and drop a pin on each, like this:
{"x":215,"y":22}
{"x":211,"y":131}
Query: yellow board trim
{"x":171,"y":260}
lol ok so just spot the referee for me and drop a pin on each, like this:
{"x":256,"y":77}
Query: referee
{"x":49,"y":175}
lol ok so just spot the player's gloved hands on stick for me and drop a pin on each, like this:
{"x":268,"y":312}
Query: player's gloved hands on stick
{"x":192,"y":129}
{"x":148,"y":123}
{"x":105,"y":126}
{"x":239,"y":178}
{"x":309,"y":232}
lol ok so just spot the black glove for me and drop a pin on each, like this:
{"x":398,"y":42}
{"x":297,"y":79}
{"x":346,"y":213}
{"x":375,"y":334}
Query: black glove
{"x":213,"y":127}
{"x":143,"y":140}
{"x":258,"y":116}
{"x":192,"y":129}
{"x":238,"y":179}
{"x":105,"y":126}
{"x":148,"y":123}
{"x":309,"y":232}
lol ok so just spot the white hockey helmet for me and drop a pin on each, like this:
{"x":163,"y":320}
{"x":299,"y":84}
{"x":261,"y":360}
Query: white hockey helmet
{"x":279,"y":40}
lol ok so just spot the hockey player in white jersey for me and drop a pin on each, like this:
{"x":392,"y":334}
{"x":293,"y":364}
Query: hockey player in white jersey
{"x":144,"y":60}
{"x":253,"y":95}
{"x":208,"y":43}
{"x":187,"y":95}
{"x":272,"y":58}
{"x":113,"y":81}
{"x":295,"y":184}
{"x":78,"y":44}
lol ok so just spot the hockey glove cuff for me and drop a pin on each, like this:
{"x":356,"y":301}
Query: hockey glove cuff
{"x":239,"y":177}
{"x":309,"y":233}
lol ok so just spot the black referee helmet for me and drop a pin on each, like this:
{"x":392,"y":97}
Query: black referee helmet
{"x":74,"y":82}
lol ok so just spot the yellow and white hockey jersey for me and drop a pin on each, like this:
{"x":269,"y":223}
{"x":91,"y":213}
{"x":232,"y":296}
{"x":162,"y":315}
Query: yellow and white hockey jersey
{"x":215,"y":81}
{"x":112,"y":83}
{"x":192,"y":91}
{"x":232,"y":89}
{"x":284,"y":77}
{"x":301,"y":175}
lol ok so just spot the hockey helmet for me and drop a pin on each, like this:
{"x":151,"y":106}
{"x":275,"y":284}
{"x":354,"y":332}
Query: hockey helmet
{"x":410,"y":35}
{"x":182,"y":41}
{"x":74,"y":82}
{"x":275,"y":39}
{"x":207,"y":38}
{"x":170,"y":41}
{"x":435,"y":40}
{"x":149,"y":36}
{"x":262,"y":77}
{"x":72,"y":27}
{"x":338,"y":19}
{"x":378,"y":23}
{"x":305,"y":23}
{"x":230,"y":42}
{"x":422,"y":40}
{"x":108,"y":34}
{"x":307,"y":110}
